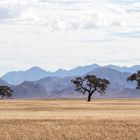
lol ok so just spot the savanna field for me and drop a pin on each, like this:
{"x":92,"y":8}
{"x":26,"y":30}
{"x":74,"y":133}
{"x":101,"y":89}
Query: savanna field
{"x":69,"y":120}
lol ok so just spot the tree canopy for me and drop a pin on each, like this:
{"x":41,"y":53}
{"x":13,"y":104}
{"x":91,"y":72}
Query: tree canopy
{"x":89,"y":84}
{"x":5,"y":91}
{"x":135,"y":77}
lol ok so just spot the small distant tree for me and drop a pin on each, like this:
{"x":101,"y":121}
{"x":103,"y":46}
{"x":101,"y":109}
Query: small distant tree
{"x":135,"y":77}
{"x":89,"y":84}
{"x":5,"y":91}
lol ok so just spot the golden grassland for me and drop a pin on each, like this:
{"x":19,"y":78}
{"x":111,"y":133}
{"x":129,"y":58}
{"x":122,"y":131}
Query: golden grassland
{"x":69,"y":120}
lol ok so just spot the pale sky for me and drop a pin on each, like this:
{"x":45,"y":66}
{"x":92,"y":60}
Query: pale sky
{"x":57,"y":34}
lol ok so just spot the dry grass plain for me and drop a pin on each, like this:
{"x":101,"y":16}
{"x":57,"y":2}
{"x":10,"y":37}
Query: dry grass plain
{"x":69,"y":120}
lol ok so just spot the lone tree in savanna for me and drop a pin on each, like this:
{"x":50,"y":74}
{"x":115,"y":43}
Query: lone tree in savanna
{"x":5,"y":91}
{"x":135,"y":77}
{"x":89,"y":84}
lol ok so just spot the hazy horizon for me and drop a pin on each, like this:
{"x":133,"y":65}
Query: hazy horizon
{"x":54,"y":34}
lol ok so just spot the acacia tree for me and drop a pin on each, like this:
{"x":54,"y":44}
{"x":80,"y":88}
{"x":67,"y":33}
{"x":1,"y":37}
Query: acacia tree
{"x":5,"y":91}
{"x":135,"y":77}
{"x":89,"y":84}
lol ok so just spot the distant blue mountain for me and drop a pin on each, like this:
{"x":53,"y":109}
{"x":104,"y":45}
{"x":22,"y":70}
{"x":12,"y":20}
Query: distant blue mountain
{"x":118,"y":80}
{"x":125,"y":69}
{"x":80,"y":70}
{"x":56,"y":87}
{"x":36,"y":73}
{"x":3,"y":83}
{"x":17,"y":77}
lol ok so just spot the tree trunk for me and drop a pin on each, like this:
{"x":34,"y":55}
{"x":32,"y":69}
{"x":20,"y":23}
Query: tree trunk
{"x":89,"y":97}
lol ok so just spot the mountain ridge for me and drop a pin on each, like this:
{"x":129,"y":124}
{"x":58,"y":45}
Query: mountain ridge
{"x":36,"y":73}
{"x":61,"y":87}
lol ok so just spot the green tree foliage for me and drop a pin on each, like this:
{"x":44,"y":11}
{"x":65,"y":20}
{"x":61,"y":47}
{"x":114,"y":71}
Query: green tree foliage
{"x":135,"y":77}
{"x":89,"y":84}
{"x":5,"y":91}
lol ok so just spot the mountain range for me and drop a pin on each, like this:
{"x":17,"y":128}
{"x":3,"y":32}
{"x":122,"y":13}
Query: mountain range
{"x":36,"y":73}
{"x":38,"y":83}
{"x":58,"y":87}
{"x":2,"y":82}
